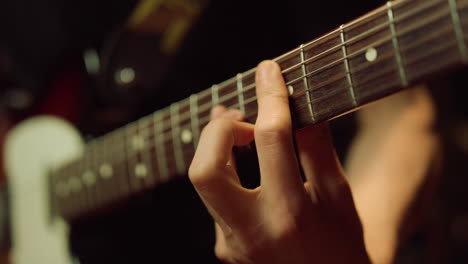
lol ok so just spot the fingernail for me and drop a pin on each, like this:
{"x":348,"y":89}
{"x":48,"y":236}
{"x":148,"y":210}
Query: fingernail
{"x":233,"y":114}
{"x":265,"y":68}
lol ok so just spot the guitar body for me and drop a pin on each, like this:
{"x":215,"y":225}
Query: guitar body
{"x":31,"y":150}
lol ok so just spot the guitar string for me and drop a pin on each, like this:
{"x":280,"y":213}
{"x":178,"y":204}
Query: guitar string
{"x":184,"y":117}
{"x":156,"y":181}
{"x":226,"y":97}
{"x":232,"y":95}
{"x":337,"y":47}
{"x":167,"y":134}
{"x":253,"y":99}
{"x":253,"y":113}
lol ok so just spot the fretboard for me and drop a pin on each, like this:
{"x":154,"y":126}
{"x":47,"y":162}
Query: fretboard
{"x":380,"y":53}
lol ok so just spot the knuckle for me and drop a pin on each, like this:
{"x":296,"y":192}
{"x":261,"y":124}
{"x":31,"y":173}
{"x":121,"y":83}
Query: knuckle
{"x":201,"y":174}
{"x":287,"y":227}
{"x":273,"y":129}
{"x":203,"y":170}
{"x":216,"y":125}
{"x":290,"y":224}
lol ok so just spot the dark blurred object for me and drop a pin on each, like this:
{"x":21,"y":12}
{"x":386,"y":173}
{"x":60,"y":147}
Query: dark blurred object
{"x":12,"y":97}
{"x":39,"y":36}
{"x":129,"y":69}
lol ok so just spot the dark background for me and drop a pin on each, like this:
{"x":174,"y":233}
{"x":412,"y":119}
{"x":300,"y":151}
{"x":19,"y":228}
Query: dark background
{"x":169,"y":224}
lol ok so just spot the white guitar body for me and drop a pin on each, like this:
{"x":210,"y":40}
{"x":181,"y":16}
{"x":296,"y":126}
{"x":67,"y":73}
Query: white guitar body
{"x":31,"y":149}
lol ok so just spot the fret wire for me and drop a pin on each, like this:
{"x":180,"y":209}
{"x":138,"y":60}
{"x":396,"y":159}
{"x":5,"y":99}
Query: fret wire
{"x":131,"y":156}
{"x":118,"y":136}
{"x":320,"y":55}
{"x":252,"y":99}
{"x":160,"y":147}
{"x":349,"y":56}
{"x":214,"y":95}
{"x":359,"y":36}
{"x":358,"y":52}
{"x":252,"y":71}
{"x":194,"y":122}
{"x":206,"y":107}
{"x":105,"y":175}
{"x":176,"y":138}
{"x":346,"y":65}
{"x":240,"y":93}
{"x":396,"y":46}
{"x":98,"y":154}
{"x":350,"y":25}
{"x":246,"y":88}
{"x":458,"y":30}
{"x":143,"y":124}
{"x":439,"y":48}
{"x":306,"y":83}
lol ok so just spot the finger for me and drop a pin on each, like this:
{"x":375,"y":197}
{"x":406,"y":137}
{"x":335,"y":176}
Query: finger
{"x":279,"y":169}
{"x":217,"y":111}
{"x":322,"y":169}
{"x":233,"y":114}
{"x":213,"y":178}
{"x":220,"y":111}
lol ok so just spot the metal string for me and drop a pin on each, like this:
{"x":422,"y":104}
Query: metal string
{"x":207,"y":106}
{"x":204,"y":107}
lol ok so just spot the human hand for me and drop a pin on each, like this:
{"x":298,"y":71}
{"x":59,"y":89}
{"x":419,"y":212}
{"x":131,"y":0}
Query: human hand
{"x":283,"y":220}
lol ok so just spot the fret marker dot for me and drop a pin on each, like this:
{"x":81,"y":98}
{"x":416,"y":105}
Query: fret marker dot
{"x":140,"y":170}
{"x":291,"y":90}
{"x":89,"y":178}
{"x":371,"y":54}
{"x":186,"y":136}
{"x":138,"y":143}
{"x":106,"y":171}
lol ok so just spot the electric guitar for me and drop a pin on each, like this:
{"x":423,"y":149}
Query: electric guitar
{"x":55,"y":178}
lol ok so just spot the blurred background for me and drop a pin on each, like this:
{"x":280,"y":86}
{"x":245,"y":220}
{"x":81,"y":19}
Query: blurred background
{"x":102,"y":64}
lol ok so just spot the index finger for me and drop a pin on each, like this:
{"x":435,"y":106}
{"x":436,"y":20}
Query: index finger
{"x":279,"y":168}
{"x":211,"y":175}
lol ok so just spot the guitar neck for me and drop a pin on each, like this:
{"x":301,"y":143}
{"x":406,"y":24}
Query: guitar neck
{"x":380,"y":53}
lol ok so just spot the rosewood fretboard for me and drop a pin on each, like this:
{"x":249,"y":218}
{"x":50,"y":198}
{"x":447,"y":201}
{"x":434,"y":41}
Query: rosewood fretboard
{"x":378,"y":54}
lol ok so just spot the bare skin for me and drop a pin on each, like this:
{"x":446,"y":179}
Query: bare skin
{"x":287,"y":221}
{"x":283,"y":220}
{"x":391,"y":157}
